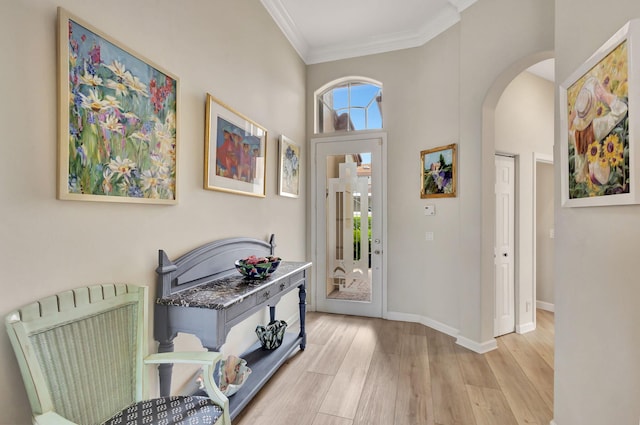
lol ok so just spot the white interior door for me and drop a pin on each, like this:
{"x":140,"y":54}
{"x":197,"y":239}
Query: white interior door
{"x":504,"y":317}
{"x":348,"y":216}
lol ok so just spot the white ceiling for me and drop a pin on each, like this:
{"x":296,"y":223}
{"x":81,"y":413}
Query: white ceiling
{"x":327,"y":30}
{"x":544,"y":69}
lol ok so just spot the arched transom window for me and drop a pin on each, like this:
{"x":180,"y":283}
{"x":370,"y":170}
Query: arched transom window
{"x":349,"y":104}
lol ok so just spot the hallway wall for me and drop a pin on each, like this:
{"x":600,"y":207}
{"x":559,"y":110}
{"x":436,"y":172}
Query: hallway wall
{"x":597,"y":315}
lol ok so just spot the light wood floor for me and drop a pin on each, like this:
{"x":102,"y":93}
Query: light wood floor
{"x":361,"y":371}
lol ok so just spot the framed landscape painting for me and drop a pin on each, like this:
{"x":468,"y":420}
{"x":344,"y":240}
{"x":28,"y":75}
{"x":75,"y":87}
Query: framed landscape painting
{"x":438,"y":172}
{"x":118,"y":120}
{"x":598,"y":102}
{"x":289,"y":168}
{"x":235,"y":151}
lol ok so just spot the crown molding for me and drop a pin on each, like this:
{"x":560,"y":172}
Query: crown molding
{"x":461,"y":5}
{"x":384,"y":43}
{"x":288,"y":27}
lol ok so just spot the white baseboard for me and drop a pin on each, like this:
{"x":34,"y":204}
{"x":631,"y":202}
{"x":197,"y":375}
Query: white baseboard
{"x":480,"y":348}
{"x":542,"y":305}
{"x":553,"y":422}
{"x":527,"y":327}
{"x":415,"y":318}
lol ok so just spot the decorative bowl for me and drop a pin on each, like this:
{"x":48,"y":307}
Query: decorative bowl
{"x":257,"y":267}
{"x":271,"y":336}
{"x":232,"y":374}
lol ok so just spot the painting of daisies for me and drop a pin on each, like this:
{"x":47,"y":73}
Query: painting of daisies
{"x":438,"y":172}
{"x":118,"y":126}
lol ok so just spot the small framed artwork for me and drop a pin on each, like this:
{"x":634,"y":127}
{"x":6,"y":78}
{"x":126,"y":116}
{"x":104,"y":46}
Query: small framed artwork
{"x":288,"y":168}
{"x":598,"y":149}
{"x":439,"y":174}
{"x":118,"y":120}
{"x":235,"y":151}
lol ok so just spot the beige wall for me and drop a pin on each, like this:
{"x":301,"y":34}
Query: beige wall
{"x":597,"y":334}
{"x":524,"y":127}
{"x":413,"y":122}
{"x":231,"y":49}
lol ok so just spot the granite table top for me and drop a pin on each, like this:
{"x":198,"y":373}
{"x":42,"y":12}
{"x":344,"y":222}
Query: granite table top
{"x":225,"y":291}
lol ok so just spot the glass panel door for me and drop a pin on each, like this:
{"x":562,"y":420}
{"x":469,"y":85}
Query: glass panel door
{"x":348,"y":227}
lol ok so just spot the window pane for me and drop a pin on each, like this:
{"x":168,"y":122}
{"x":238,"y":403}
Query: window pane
{"x":363,"y":94}
{"x":358,"y":119}
{"x":374,"y":118}
{"x":340,"y":98}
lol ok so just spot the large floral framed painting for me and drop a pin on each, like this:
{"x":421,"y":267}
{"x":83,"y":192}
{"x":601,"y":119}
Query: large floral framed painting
{"x":118,"y":120}
{"x":598,"y":127}
{"x":438,"y":172}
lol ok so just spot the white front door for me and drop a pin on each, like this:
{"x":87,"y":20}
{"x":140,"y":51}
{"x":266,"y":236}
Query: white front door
{"x":347,"y":177}
{"x":504,"y":316}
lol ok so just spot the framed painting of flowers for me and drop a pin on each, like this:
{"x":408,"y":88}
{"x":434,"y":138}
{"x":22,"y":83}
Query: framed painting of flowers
{"x":289,"y":168}
{"x":598,"y":127}
{"x":439,"y":174}
{"x":118,"y":120}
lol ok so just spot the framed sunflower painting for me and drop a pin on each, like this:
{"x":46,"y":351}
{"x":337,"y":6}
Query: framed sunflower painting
{"x":117,"y":120}
{"x":598,"y":127}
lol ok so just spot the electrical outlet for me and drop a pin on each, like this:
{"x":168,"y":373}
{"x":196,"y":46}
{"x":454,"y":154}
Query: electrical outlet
{"x":428,"y":236}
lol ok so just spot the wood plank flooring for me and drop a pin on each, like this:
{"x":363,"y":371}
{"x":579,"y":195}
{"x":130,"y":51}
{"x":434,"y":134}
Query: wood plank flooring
{"x":362,"y":371}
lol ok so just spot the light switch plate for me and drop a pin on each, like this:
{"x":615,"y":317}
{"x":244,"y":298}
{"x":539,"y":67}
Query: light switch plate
{"x":429,"y":210}
{"x":428,"y":236}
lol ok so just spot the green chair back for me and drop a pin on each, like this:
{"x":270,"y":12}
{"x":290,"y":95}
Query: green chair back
{"x":80,"y":352}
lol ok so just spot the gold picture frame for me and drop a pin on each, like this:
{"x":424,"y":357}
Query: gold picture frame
{"x":235,"y":151}
{"x":118,"y":120}
{"x":438,"y":172}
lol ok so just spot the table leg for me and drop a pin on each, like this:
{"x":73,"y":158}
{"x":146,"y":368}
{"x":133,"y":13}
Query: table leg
{"x":165,"y":369}
{"x":302,"y":294}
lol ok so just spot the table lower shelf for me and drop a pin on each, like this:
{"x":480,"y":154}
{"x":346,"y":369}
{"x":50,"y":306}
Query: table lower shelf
{"x":263,"y":364}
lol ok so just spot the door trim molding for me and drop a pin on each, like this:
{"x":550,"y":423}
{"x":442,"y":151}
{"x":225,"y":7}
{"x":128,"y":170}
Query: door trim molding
{"x":354,"y":136}
{"x":543,"y":159}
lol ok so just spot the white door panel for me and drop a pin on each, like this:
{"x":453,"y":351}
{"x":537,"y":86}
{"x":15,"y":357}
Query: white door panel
{"x":504,"y":317}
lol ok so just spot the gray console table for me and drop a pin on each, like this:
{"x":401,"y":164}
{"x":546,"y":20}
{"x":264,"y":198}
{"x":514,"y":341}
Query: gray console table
{"x":202,"y":294}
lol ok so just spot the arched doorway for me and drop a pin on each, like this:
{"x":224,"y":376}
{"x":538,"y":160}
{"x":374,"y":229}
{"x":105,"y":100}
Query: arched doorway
{"x":525,"y":289}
